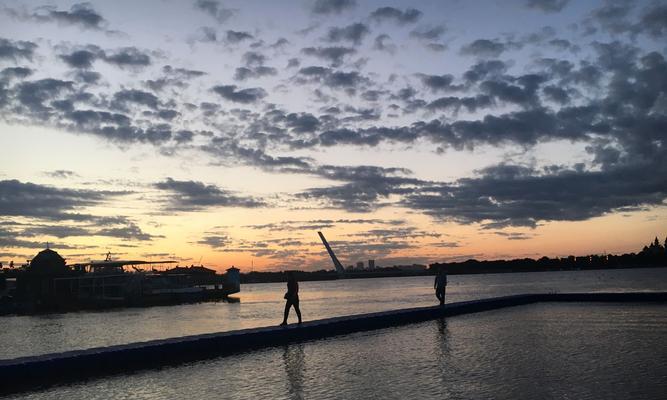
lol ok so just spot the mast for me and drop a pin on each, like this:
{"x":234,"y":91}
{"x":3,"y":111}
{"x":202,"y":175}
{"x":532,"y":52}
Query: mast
{"x":337,"y":264}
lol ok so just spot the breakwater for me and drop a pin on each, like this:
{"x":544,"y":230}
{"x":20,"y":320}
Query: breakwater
{"x":28,"y":373}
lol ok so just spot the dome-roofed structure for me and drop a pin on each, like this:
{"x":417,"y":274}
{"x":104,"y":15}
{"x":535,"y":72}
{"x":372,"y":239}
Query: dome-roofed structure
{"x":49,"y":262}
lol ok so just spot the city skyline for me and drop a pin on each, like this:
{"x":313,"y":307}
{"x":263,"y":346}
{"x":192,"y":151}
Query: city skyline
{"x":408,"y":132}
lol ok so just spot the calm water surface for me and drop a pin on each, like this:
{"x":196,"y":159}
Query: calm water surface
{"x":540,"y":351}
{"x":262,"y":305}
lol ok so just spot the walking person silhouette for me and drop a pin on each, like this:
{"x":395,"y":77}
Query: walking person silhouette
{"x":291,"y":297}
{"x":440,"y":285}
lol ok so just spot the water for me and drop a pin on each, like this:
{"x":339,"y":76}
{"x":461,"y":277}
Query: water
{"x":550,"y":351}
{"x":262,"y":305}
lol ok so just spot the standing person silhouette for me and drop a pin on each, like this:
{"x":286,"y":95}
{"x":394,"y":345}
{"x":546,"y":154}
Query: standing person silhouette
{"x":291,"y":297}
{"x":440,"y":285}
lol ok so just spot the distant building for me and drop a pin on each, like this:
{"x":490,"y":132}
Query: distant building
{"x":360,"y":265}
{"x":413,"y":267}
{"x":371,"y":264}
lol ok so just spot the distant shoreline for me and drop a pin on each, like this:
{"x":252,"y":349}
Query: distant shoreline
{"x":274,"y":277}
{"x":653,"y":255}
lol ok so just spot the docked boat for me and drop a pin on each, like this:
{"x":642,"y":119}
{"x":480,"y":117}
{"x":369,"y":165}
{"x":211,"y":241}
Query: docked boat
{"x":47,"y":283}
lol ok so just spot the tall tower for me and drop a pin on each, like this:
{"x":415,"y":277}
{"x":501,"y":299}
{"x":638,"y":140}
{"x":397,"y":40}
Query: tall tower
{"x":337,"y":264}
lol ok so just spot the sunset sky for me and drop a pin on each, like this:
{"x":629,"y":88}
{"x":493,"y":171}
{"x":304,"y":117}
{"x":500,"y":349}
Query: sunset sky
{"x":229,"y":133}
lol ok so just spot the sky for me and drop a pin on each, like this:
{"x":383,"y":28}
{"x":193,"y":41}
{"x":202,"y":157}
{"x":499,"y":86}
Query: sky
{"x":230,"y":132}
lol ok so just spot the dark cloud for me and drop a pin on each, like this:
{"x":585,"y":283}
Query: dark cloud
{"x":512,"y":195}
{"x":315,"y":72}
{"x":654,"y":21}
{"x":244,"y":96}
{"x":372,"y":95}
{"x":317,"y":224}
{"x":129,"y":232}
{"x":253,"y":58}
{"x":611,"y":17}
{"x":121,"y":229}
{"x":334,"y":55}
{"x":209,"y":109}
{"x":436,"y":46}
{"x":123,"y":97}
{"x":215,"y":241}
{"x":383,"y":43}
{"x":184,"y":136}
{"x":234,"y":37}
{"x":429,"y":33}
{"x":346,"y":80}
{"x":406,"y":94}
{"x":40,"y":201}
{"x":377,"y":248}
{"x":280,"y":43}
{"x":215,"y":10}
{"x":484,"y":69}
{"x":472,"y":104}
{"x":523,"y":93}
{"x":91,"y":119}
{"x":446,"y":244}
{"x":9,"y":241}
{"x":409,"y":16}
{"x":176,"y":77}
{"x":403,"y":232}
{"x":16,"y":50}
{"x":81,"y":58}
{"x":168,"y":114}
{"x":118,"y":127}
{"x":365,"y":189}
{"x":547,"y":6}
{"x":259,"y":158}
{"x":57,"y":231}
{"x":618,"y":18}
{"x":525,"y":127}
{"x":15,"y":72}
{"x":128,"y":57}
{"x":193,"y":195}
{"x":562,"y":44}
{"x":437,"y":82}
{"x":332,"y":6}
{"x":354,"y":33}
{"x":484,"y":48}
{"x":556,"y":94}
{"x":244,"y":73}
{"x":510,"y":235}
{"x":61,"y":174}
{"x":81,"y":14}
{"x":302,"y":123}
{"x":88,"y":77}
{"x":182,"y":73}
{"x":33,"y":94}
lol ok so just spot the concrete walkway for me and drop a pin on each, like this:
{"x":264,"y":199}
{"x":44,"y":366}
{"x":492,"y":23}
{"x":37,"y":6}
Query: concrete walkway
{"x":30,"y":373}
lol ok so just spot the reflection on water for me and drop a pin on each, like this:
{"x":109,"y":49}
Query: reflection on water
{"x":553,"y":351}
{"x":293,"y":358}
{"x":262,"y":305}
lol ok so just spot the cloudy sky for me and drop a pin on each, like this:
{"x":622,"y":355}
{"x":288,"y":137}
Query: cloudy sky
{"x":232,"y":131}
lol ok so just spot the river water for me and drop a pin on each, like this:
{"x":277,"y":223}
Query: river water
{"x":262,"y":305}
{"x":559,"y":350}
